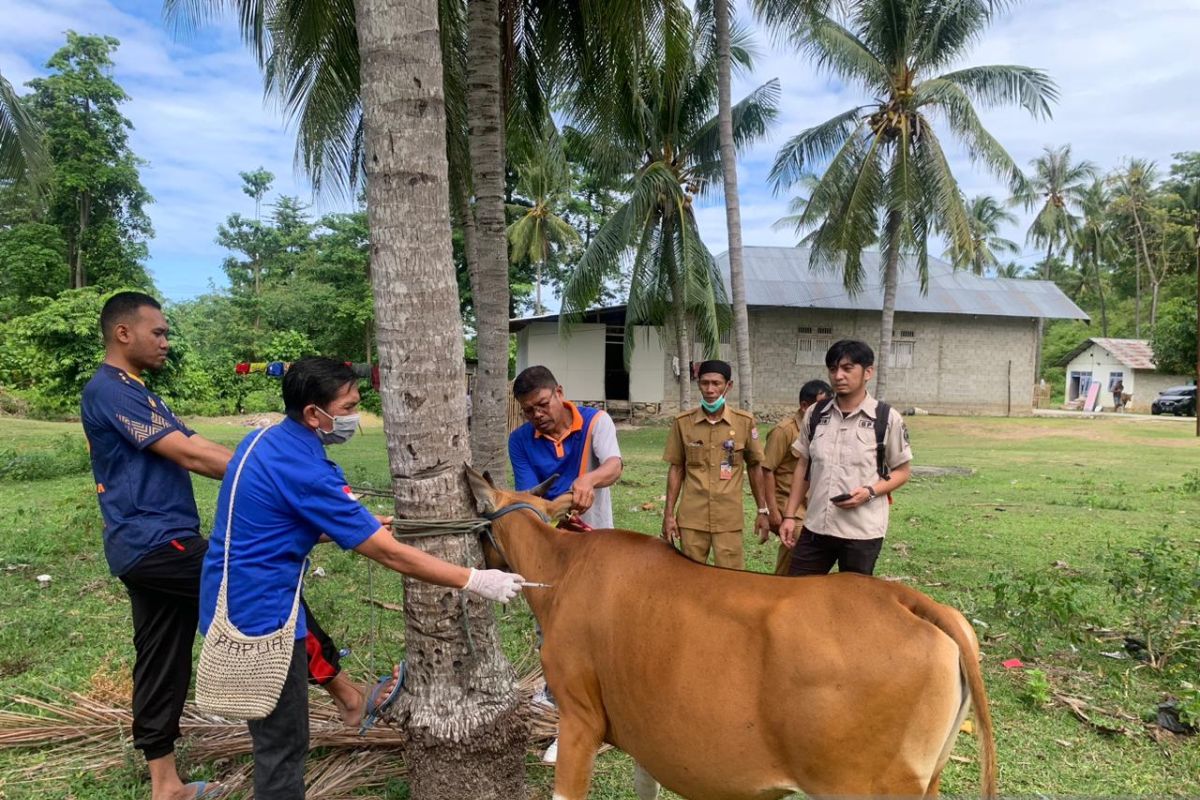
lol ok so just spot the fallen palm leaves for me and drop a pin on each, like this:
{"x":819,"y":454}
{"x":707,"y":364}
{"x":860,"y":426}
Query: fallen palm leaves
{"x":84,"y":734}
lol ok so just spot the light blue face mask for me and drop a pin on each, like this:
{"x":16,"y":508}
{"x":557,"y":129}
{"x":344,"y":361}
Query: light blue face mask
{"x":343,"y":428}
{"x":714,"y":406}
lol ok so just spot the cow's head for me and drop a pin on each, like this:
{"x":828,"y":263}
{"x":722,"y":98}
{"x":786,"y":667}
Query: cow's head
{"x":490,"y":499}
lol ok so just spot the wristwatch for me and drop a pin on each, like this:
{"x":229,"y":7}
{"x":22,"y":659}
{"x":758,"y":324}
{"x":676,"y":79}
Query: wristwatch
{"x":764,"y":511}
{"x":871,"y":492}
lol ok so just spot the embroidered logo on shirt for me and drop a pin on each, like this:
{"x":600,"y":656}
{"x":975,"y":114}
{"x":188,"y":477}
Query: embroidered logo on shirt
{"x":349,"y":493}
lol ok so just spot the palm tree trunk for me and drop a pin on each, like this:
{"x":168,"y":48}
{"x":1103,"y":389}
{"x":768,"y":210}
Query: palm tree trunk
{"x":1137,"y":294}
{"x":733,"y":210}
{"x":1100,"y":294}
{"x":460,"y":708}
{"x":891,"y":280}
{"x":485,"y":135}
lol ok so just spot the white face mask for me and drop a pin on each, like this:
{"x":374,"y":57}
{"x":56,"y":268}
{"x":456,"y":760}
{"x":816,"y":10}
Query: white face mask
{"x":343,"y":428}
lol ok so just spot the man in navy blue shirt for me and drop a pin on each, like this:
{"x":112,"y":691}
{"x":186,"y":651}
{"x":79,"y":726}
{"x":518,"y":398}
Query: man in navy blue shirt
{"x":141,"y":456}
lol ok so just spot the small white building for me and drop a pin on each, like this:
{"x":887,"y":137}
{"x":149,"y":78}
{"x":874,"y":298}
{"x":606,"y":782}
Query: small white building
{"x":1109,"y":361}
{"x":965,"y":346}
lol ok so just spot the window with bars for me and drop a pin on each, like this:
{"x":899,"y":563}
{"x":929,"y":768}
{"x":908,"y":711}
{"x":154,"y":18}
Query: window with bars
{"x":811,"y":349}
{"x":902,"y":354}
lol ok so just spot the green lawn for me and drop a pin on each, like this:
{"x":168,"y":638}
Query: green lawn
{"x":1077,"y":492}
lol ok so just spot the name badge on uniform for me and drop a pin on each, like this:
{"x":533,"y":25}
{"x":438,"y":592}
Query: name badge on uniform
{"x":727,"y":459}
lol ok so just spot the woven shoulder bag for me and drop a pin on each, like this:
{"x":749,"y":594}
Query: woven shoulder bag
{"x":240,"y":676}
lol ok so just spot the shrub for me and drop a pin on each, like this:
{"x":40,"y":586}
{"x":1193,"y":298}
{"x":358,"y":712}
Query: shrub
{"x":1160,"y":584}
{"x":1037,"y":603}
{"x":68,"y":456}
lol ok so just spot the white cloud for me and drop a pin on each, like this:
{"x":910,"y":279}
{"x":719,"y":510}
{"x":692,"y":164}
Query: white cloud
{"x":1125,"y":71}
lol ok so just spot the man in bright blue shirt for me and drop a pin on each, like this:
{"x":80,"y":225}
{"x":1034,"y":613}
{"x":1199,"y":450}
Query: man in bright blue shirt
{"x":290,"y":496}
{"x":576,"y":443}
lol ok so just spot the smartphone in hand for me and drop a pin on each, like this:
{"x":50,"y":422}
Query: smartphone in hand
{"x":840,"y":498}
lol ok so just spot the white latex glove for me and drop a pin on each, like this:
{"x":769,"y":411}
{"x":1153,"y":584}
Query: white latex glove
{"x":494,"y":584}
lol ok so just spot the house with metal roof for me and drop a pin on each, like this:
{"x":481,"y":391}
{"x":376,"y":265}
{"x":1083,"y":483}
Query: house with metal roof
{"x":1129,"y":362}
{"x":966,"y":345}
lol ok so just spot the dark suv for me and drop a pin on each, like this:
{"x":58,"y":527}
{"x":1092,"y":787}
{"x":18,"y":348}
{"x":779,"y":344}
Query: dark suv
{"x":1178,"y":400}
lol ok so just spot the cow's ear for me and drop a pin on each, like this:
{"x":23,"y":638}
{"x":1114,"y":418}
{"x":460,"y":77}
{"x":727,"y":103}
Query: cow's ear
{"x":543,"y":487}
{"x":482,"y":489}
{"x":559,"y":508}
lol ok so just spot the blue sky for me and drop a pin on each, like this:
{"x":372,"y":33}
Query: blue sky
{"x":1127,"y":72}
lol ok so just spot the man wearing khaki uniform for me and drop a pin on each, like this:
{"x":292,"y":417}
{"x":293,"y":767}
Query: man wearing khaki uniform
{"x":710,"y":449}
{"x":779,"y":464}
{"x":847,"y":515}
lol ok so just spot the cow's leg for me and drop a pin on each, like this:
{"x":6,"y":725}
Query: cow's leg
{"x":578,"y":741}
{"x":934,"y":786}
{"x":644,"y":783}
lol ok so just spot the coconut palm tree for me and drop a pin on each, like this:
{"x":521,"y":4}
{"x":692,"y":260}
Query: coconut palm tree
{"x":1133,"y":193}
{"x":985,"y":216}
{"x":466,"y":735}
{"x":660,"y":132}
{"x":1095,"y":242}
{"x":543,"y":178}
{"x":887,"y":176}
{"x":21,"y":151}
{"x":1055,"y":189}
{"x":733,"y":210}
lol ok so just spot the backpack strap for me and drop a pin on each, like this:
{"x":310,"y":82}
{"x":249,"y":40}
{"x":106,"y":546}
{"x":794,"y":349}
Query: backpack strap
{"x":814,"y":419}
{"x":883,"y":413}
{"x":585,"y":456}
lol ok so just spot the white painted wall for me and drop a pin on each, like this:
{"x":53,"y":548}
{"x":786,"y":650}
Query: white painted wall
{"x":646,"y":366}
{"x":578,"y":362}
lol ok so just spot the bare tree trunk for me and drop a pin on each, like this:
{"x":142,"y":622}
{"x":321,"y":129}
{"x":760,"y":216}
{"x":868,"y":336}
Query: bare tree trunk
{"x":85,"y":221}
{"x":733,"y":210}
{"x":1100,"y":294}
{"x":891,"y":280}
{"x":460,"y":708}
{"x":1196,"y":405}
{"x":485,"y":134}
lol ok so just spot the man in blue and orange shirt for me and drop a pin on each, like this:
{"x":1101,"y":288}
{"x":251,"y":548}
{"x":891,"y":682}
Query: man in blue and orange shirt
{"x":577,"y":443}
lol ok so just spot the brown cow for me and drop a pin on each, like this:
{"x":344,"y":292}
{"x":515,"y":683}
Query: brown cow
{"x":727,"y":685}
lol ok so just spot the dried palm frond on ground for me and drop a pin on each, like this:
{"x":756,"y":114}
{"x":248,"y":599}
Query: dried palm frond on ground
{"x":82,"y":733}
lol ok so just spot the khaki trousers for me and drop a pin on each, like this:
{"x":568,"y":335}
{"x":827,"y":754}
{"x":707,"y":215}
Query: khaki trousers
{"x":726,"y":547}
{"x":784,"y":560}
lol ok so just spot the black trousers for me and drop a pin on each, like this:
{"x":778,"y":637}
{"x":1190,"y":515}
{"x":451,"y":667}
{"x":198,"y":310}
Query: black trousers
{"x":816,"y":553}
{"x":164,"y":591}
{"x":281,"y":738}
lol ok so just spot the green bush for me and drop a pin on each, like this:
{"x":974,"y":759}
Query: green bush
{"x":1160,"y":584}
{"x":1035,"y":604}
{"x":68,"y":456}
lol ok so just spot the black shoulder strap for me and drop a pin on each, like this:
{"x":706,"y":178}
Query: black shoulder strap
{"x":883,"y":413}
{"x":814,"y":419}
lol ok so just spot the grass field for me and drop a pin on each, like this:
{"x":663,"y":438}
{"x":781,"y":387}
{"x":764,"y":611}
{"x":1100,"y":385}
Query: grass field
{"x":1046,"y":518}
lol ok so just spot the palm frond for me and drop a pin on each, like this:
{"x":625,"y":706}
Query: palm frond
{"x":810,"y":148}
{"x":1007,"y":84}
{"x":22,"y":153}
{"x":752,"y":117}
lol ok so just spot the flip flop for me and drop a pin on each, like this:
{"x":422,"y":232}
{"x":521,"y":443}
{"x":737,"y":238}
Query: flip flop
{"x":206,"y":790}
{"x":377,"y":706}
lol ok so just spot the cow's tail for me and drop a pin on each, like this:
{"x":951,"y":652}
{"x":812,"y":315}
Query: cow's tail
{"x":954,"y":625}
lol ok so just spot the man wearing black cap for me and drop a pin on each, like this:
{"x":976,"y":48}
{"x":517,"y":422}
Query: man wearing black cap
{"x":709,"y":449}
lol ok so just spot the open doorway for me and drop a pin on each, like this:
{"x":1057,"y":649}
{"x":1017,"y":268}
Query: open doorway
{"x":1078,"y":384}
{"x":616,"y":377}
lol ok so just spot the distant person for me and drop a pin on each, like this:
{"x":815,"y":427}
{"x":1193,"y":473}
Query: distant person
{"x":710,"y":450}
{"x":1118,"y":390}
{"x":847,"y":486}
{"x":576,"y":443}
{"x":290,"y":497}
{"x":779,"y":463}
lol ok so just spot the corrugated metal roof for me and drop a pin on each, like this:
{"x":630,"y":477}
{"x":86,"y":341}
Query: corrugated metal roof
{"x":1133,"y":353}
{"x":782,"y":277}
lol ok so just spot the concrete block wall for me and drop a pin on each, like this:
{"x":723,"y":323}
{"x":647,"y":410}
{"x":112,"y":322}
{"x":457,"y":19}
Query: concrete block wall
{"x":960,"y":364}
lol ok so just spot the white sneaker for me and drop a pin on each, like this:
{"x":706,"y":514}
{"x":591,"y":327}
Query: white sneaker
{"x":551,"y":754}
{"x":542,"y":697}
